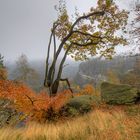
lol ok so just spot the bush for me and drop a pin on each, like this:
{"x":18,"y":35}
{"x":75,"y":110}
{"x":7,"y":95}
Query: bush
{"x":81,"y":104}
{"x":133,"y":110}
{"x":36,"y":107}
{"x":88,"y":90}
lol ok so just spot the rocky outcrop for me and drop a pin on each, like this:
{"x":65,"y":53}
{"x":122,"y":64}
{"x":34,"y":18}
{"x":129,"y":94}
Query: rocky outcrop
{"x":119,"y":94}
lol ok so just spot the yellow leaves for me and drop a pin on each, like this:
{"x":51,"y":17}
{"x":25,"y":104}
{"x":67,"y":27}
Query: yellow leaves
{"x":96,"y":26}
{"x":104,"y":3}
{"x":97,"y":34}
{"x":108,"y":3}
{"x":88,"y":89}
{"x":64,"y":17}
{"x":84,"y":28}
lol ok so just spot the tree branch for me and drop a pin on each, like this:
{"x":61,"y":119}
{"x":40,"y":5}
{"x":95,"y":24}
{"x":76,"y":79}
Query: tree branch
{"x":32,"y":101}
{"x":101,"y":13}
{"x":86,"y":44}
{"x":68,"y":83}
{"x":48,"y":53}
{"x":87,"y":34}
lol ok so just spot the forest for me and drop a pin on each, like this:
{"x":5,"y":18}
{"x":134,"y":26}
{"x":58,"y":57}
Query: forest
{"x":85,"y":88}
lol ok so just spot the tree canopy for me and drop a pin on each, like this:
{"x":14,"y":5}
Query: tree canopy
{"x":91,"y":33}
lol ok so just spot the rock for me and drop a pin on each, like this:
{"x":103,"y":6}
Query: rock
{"x":119,"y":94}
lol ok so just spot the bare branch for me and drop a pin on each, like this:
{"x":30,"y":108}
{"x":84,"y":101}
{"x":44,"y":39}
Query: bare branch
{"x":68,"y":83}
{"x":48,"y":52}
{"x":32,"y":101}
{"x":54,"y":39}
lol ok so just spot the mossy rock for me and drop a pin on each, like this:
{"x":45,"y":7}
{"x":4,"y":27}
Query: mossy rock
{"x":119,"y":94}
{"x":81,"y":104}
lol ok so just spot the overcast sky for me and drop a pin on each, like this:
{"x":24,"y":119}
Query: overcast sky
{"x":25,"y":25}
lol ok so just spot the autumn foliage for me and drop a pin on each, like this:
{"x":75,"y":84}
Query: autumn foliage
{"x":34,"y":106}
{"x":88,"y":90}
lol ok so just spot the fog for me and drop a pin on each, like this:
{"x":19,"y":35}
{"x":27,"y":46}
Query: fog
{"x":25,"y":25}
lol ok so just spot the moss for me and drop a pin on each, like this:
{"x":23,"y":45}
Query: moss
{"x":118,"y":94}
{"x":81,"y":104}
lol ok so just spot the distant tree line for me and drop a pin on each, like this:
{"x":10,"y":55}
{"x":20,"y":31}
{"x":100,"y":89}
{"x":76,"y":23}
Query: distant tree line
{"x":98,"y":68}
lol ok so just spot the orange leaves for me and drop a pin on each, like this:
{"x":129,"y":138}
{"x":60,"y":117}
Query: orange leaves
{"x":30,"y":103}
{"x":88,"y":90}
{"x":61,"y":99}
{"x":18,"y":93}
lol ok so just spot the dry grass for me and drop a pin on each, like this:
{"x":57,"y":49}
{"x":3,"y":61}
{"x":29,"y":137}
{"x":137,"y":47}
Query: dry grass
{"x":98,"y":125}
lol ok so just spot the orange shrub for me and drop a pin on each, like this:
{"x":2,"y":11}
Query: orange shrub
{"x":34,"y":105}
{"x":88,"y":90}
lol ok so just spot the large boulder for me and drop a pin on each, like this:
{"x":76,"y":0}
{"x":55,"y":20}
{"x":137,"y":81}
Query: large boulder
{"x":119,"y":94}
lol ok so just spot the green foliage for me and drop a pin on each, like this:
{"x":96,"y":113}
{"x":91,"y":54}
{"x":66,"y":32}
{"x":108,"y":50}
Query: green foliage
{"x":81,"y":104}
{"x":3,"y":71}
{"x":1,"y":61}
{"x":118,"y":94}
{"x":133,"y":110}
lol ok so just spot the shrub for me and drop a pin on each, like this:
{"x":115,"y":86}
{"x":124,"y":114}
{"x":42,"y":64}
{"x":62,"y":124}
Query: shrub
{"x":88,"y":90}
{"x":133,"y":110}
{"x":37,"y":107}
{"x":81,"y":104}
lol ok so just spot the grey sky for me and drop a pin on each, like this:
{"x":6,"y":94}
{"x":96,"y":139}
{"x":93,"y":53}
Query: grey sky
{"x":25,"y":25}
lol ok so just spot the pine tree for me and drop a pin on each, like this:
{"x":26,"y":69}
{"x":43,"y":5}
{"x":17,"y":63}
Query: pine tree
{"x":1,"y":61}
{"x":3,"y":71}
